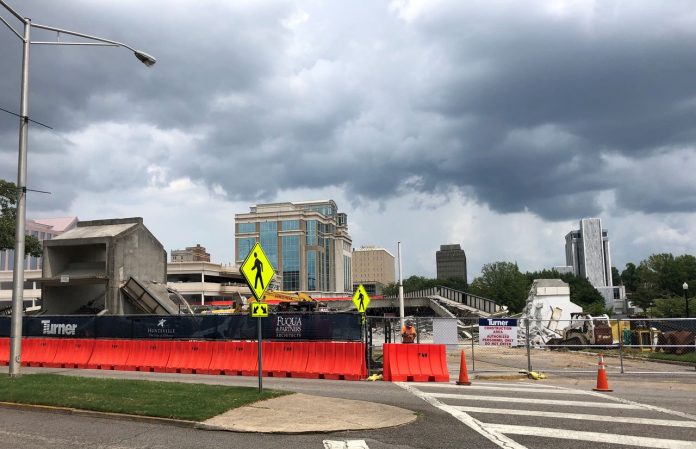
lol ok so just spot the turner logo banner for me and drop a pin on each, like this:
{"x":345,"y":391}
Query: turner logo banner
{"x":498,"y":331}
{"x":285,"y":326}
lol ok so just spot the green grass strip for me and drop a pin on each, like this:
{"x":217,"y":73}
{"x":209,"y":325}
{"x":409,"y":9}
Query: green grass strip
{"x":194,"y":402}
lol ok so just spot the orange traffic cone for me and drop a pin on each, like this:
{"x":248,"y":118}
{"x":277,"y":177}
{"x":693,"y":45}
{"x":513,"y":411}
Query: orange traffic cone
{"x":602,"y":384}
{"x":463,"y":374}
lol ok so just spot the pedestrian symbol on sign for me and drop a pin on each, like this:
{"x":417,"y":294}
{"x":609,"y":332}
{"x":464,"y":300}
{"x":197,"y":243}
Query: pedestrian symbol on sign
{"x":257,"y":271}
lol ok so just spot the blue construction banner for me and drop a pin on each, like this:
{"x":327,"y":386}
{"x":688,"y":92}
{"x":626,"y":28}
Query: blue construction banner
{"x":281,"y":326}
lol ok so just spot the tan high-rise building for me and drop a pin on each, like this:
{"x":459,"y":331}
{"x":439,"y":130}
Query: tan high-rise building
{"x":191,"y":254}
{"x":373,"y":268}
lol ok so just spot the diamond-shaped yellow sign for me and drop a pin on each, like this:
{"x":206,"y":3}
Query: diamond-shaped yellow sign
{"x":259,"y":310}
{"x":361,"y":299}
{"x":257,"y":271}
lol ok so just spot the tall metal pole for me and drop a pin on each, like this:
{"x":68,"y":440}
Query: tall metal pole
{"x":18,"y":274}
{"x":401,"y":287}
{"x":686,"y":300}
{"x":259,"y":325}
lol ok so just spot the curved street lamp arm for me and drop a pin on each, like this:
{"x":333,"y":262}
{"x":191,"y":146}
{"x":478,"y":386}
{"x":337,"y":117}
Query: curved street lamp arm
{"x":145,"y":58}
{"x":12,"y":11}
{"x":86,"y":36}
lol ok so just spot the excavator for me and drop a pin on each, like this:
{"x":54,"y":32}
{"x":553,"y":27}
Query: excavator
{"x":584,"y":330}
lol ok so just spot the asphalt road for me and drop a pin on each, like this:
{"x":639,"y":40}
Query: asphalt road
{"x":489,"y":414}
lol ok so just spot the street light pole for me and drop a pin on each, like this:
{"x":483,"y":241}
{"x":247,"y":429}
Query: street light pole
{"x":18,"y":272}
{"x":685,"y":286}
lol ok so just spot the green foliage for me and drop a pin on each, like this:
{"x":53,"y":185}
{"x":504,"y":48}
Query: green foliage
{"x":503,"y":283}
{"x":672,"y":307}
{"x":8,"y":221}
{"x":629,"y":277}
{"x":616,"y":276}
{"x":415,"y":283}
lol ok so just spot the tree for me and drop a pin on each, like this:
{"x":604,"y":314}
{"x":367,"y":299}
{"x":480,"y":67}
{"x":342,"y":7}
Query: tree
{"x":629,"y":277}
{"x":616,"y":276}
{"x":8,"y":221}
{"x":415,"y":283}
{"x":503,"y":283}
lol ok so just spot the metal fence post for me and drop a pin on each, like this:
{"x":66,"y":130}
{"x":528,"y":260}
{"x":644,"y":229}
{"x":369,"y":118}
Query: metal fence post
{"x":620,"y":333}
{"x":529,"y":352}
{"x":473,"y":358}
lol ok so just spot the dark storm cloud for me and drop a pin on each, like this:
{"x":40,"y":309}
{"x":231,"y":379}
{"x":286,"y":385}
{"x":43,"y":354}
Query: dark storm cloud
{"x":518,"y":106}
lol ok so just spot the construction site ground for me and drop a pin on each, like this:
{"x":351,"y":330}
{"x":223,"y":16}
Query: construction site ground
{"x":490,"y":360}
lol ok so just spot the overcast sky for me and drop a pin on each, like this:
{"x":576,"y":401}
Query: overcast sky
{"x":496,"y":124}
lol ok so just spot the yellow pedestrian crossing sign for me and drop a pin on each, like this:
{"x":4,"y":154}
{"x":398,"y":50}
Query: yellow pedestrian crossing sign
{"x":361,"y":299}
{"x":257,"y":271}
{"x":259,"y":310}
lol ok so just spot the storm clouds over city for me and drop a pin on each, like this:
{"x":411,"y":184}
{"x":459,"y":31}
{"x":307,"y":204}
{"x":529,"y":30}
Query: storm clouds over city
{"x":493,"y":124}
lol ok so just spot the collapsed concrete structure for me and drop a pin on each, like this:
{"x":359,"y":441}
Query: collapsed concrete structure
{"x":112,"y":267}
{"x":548,"y":310}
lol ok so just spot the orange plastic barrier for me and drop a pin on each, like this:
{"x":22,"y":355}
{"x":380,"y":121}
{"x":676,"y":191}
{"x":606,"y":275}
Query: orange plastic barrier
{"x":249,"y":358}
{"x":415,"y":362}
{"x":224,"y":358}
{"x":189,"y":357}
{"x":72,"y":353}
{"x":282,"y":359}
{"x":348,"y":361}
{"x":4,"y":351}
{"x":333,"y":360}
{"x":109,"y":354}
{"x":37,"y":351}
{"x":148,"y":355}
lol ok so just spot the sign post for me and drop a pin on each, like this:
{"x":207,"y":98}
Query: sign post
{"x":256,"y":266}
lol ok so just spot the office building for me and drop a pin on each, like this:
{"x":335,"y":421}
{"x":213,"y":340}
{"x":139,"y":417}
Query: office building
{"x":373,"y":268}
{"x":587,"y":251}
{"x":306,"y":242}
{"x":451,"y":262}
{"x":589,"y":254}
{"x":190,"y":254}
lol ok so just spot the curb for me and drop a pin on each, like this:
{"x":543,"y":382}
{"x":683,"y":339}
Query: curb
{"x":106,"y":415}
{"x":501,"y":377}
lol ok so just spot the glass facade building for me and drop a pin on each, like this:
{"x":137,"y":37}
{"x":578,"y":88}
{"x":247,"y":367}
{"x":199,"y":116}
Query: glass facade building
{"x":307,"y":243}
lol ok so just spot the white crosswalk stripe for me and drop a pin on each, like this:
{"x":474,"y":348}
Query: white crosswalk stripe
{"x":596,"y":437}
{"x":345,"y":444}
{"x":460,"y":401}
{"x":578,"y":416}
{"x":533,"y":401}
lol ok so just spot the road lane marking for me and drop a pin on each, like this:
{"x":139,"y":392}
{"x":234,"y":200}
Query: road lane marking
{"x":646,"y":406}
{"x":544,"y":390}
{"x":496,"y":437}
{"x":345,"y":444}
{"x":534,"y":401}
{"x":580,"y":416}
{"x":596,"y":437}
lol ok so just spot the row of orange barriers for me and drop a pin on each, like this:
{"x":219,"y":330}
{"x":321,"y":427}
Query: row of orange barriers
{"x":316,"y":360}
{"x":415,"y":363}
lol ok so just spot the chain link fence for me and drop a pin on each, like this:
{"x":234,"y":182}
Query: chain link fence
{"x":637,"y":346}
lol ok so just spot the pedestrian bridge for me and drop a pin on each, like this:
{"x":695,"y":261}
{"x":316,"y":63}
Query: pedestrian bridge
{"x":444,"y":301}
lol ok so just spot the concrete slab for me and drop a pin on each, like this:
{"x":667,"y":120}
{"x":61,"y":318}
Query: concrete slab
{"x":302,"y":413}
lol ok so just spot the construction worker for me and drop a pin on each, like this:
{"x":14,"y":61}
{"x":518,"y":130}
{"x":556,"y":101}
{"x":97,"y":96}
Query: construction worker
{"x":408,"y":332}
